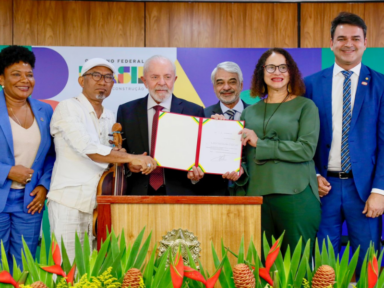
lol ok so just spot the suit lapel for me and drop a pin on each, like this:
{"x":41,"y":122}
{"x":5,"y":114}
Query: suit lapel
{"x":361,"y":91}
{"x":42,"y":122}
{"x":142,"y":115}
{"x":217,"y":109}
{"x":327,"y":96}
{"x":176,"y":105}
{"x":4,"y":122}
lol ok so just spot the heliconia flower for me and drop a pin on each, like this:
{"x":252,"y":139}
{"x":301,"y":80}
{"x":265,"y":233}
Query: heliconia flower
{"x":56,"y":253}
{"x":264,"y":273}
{"x":272,"y":255}
{"x":193,"y":274}
{"x":54,"y":269}
{"x":71,"y":275}
{"x":212,"y":281}
{"x":373,"y":272}
{"x":177,"y":271}
{"x":7,"y":278}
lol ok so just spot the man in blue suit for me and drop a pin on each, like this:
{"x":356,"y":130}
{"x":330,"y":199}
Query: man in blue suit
{"x":227,"y":80}
{"x":350,"y":155}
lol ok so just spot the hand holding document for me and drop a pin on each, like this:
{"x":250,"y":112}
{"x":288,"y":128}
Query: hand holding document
{"x":185,"y":141}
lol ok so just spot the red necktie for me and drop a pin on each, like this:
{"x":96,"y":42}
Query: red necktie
{"x":156,"y":178}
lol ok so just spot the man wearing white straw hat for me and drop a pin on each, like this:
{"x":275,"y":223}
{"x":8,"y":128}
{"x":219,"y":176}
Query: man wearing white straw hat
{"x":81,"y":127}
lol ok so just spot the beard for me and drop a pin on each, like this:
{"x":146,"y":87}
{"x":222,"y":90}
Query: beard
{"x":229,"y":100}
{"x":160,"y":99}
{"x":101,"y":96}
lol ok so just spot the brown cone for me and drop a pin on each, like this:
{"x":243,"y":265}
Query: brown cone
{"x":243,"y":276}
{"x":324,"y":277}
{"x":39,"y":284}
{"x":132,"y":278}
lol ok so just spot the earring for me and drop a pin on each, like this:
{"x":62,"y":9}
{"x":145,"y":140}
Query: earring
{"x":2,"y":86}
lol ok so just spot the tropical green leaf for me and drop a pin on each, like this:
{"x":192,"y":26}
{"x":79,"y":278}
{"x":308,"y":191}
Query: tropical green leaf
{"x":363,"y":281}
{"x":346,"y":279}
{"x":66,"y":263}
{"x":249,"y":252}
{"x":148,"y":274}
{"x":16,"y":271}
{"x":227,"y":268}
{"x":324,"y":254}
{"x":216,"y":261}
{"x":87,"y":253}
{"x":287,"y":262}
{"x":331,"y":254}
{"x":266,"y":246}
{"x":202,"y":271}
{"x":135,"y":250}
{"x":79,"y":256}
{"x":25,"y":267}
{"x":343,"y":267}
{"x":161,"y":270}
{"x":143,"y":252}
{"x":43,"y":251}
{"x":300,"y":273}
{"x":317,"y":255}
{"x":380,"y":281}
{"x":100,"y":257}
{"x":240,"y":258}
{"x":32,"y":269}
{"x":296,"y":258}
{"x":4,"y":259}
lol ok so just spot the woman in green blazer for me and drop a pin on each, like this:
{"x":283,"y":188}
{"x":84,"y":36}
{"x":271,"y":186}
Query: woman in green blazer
{"x":280,"y":136}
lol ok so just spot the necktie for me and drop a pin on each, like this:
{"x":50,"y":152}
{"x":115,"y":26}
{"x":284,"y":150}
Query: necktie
{"x":156,"y":178}
{"x":347,"y":116}
{"x":231,"y":113}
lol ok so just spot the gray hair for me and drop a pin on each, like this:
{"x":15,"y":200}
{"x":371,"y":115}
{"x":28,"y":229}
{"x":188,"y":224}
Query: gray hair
{"x":157,"y":57}
{"x":231,"y":67}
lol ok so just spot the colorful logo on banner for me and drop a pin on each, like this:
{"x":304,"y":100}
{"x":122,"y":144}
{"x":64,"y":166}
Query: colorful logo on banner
{"x":127,"y":74}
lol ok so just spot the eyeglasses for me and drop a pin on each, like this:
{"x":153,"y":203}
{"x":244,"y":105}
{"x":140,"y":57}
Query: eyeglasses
{"x":108,"y":78}
{"x":272,"y":68}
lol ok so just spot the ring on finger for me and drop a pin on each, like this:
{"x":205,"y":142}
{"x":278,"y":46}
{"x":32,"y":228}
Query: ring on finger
{"x":244,"y":135}
{"x":40,"y":205}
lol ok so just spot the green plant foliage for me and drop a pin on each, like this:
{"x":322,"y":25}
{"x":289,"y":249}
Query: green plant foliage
{"x":107,"y":267}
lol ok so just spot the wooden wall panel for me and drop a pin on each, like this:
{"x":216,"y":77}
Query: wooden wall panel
{"x":316,"y":21}
{"x":6,"y":15}
{"x":220,"y":24}
{"x":374,"y":18}
{"x":80,"y":23}
{"x":25,"y":21}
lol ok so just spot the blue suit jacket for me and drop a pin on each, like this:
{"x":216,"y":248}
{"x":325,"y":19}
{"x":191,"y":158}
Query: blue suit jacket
{"x":366,"y":136}
{"x":45,"y":156}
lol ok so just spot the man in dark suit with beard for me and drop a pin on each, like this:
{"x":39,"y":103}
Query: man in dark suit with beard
{"x":227,"y":80}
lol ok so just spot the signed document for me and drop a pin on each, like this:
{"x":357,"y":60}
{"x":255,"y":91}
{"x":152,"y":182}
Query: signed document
{"x":185,"y":141}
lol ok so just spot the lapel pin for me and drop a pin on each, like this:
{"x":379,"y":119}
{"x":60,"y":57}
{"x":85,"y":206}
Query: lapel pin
{"x":366,"y":78}
{"x":364,"y":83}
{"x":41,"y":119}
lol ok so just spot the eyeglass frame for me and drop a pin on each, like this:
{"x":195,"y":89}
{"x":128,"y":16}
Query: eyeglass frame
{"x":276,"y":66}
{"x":101,"y":76}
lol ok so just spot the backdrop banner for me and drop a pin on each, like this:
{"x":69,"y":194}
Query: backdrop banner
{"x":58,"y":68}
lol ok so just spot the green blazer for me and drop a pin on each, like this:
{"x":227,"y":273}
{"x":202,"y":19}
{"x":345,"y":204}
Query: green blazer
{"x":282,"y":162}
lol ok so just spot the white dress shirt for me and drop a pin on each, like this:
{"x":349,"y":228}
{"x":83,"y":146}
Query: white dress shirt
{"x":166,"y":104}
{"x":77,"y":132}
{"x":239,"y":107}
{"x":334,"y":160}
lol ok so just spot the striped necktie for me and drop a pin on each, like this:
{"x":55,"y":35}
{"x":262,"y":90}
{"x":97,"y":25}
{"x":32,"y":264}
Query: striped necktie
{"x":231,"y":113}
{"x":347,"y":116}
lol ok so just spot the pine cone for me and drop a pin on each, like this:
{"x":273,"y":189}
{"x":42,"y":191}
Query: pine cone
{"x":324,"y":277}
{"x":38,"y":284}
{"x":132,"y":278}
{"x":243,"y":276}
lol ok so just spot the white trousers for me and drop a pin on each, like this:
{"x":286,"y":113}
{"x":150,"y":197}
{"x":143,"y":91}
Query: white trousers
{"x":65,"y":222}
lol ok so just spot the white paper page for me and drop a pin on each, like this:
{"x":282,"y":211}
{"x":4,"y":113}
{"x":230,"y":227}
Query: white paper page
{"x":176,"y":141}
{"x":220,"y":149}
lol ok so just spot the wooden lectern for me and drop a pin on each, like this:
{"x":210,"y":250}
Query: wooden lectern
{"x":210,"y":218}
